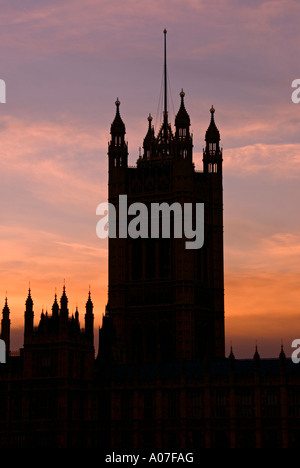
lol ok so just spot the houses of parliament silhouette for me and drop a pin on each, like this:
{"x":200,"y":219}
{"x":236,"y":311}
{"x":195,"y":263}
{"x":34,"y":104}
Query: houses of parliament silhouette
{"x":160,"y":378}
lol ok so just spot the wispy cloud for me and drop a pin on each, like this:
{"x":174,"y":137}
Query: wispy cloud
{"x":280,"y":161}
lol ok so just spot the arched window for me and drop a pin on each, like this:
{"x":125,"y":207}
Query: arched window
{"x":118,"y":140}
{"x":212,"y":148}
{"x":182,"y":133}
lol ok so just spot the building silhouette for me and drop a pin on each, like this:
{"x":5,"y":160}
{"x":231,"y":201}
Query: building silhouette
{"x":160,"y":378}
{"x":167,"y":301}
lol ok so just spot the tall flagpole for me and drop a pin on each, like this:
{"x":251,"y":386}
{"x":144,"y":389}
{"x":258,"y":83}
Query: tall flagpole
{"x":165,"y":72}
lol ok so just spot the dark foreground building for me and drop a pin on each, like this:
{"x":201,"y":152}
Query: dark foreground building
{"x":160,"y":378}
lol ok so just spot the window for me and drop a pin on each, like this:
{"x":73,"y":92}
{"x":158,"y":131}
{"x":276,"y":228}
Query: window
{"x":182,"y":133}
{"x":221,"y":404}
{"x":197,"y":406}
{"x":272,"y":404}
{"x":212,"y":148}
{"x":245,"y":404}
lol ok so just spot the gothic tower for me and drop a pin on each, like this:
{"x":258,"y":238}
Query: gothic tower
{"x":165,"y":301}
{"x":5,"y":328}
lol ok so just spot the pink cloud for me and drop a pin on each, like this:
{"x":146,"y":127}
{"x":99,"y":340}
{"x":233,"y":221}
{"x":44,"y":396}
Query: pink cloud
{"x":278,"y":160}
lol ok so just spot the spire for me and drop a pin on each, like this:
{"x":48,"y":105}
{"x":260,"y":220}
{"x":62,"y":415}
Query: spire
{"x":118,"y":152}
{"x":55,"y":307}
{"x":89,"y":303}
{"x":165,"y":136}
{"x":5,"y":308}
{"x":165,"y":75}
{"x":282,"y":353}
{"x":64,"y":299}
{"x":29,"y":301}
{"x":182,"y":119}
{"x":165,"y":114}
{"x":117,"y":127}
{"x":5,"y":328}
{"x":256,"y":356}
{"x":150,"y":128}
{"x":183,"y":140}
{"x":76,"y":315}
{"x":231,"y":355}
{"x":212,"y":133}
{"x":149,"y":140}
{"x":42,"y":323}
{"x":28,"y":328}
{"x":212,"y":155}
{"x":64,"y":312}
{"x":89,"y":319}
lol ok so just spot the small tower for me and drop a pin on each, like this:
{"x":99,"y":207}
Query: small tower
{"x":64,"y":311}
{"x":55,"y":308}
{"x":5,"y":328}
{"x":29,"y":315}
{"x":212,"y":154}
{"x":183,"y":138}
{"x":89,"y":319}
{"x":117,"y":149}
{"x":149,"y":141}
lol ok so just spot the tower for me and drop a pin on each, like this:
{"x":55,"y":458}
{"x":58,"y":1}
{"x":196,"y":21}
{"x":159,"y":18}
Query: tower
{"x":165,"y":301}
{"x":89,"y":318}
{"x":5,"y":328}
{"x":29,"y":317}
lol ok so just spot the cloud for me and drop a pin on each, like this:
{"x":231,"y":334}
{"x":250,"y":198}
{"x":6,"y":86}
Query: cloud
{"x":53,"y":168}
{"x":279,"y":160}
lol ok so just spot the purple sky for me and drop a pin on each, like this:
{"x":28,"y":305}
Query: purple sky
{"x":65,"y":63}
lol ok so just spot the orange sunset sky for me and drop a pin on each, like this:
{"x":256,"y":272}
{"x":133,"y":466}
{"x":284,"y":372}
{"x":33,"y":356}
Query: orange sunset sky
{"x":65,"y":63}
